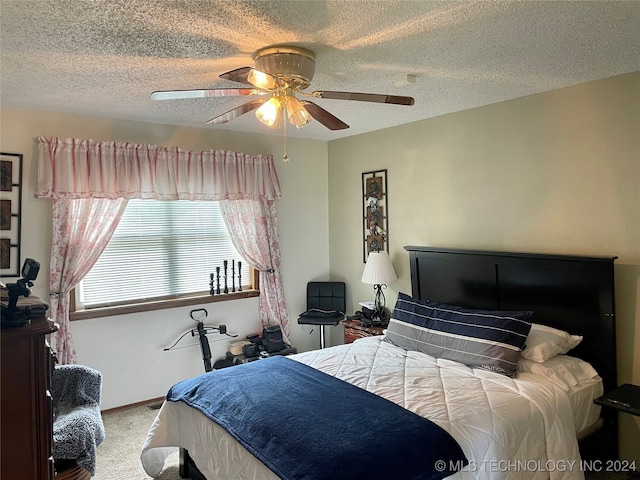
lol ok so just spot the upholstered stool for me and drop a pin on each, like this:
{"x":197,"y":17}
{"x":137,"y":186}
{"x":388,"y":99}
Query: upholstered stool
{"x":326,"y":303}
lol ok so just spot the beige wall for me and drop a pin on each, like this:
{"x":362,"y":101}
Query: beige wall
{"x":128,"y":349}
{"x":557,"y":172}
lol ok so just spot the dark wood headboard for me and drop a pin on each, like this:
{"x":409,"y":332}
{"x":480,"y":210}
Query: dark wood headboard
{"x":572,"y":293}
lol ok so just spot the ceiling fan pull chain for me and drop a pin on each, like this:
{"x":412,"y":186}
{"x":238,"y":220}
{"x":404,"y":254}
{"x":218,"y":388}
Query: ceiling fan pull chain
{"x":285,"y":157}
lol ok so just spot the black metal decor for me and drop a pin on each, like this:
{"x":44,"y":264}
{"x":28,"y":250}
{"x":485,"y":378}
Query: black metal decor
{"x":214,"y":279}
{"x":375,"y":215}
{"x":226,"y":288}
{"x":233,"y":275}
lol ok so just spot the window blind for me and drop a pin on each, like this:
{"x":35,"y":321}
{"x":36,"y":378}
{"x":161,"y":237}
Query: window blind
{"x":162,"y":249}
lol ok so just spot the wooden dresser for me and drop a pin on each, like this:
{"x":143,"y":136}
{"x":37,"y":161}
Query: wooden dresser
{"x":354,"y":330}
{"x":26,"y":406}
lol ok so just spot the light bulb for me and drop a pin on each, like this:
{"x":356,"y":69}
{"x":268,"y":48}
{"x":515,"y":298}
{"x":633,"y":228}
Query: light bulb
{"x":270,"y":113}
{"x":261,"y":79}
{"x":298,"y":115}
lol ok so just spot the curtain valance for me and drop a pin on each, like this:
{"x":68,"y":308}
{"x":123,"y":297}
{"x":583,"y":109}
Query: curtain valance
{"x":73,"y":168}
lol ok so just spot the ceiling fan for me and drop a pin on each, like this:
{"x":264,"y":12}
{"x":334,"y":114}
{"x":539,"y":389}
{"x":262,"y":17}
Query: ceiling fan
{"x":279,"y":75}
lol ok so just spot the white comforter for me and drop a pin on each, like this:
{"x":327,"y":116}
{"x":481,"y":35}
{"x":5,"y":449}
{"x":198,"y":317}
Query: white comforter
{"x":520,"y":428}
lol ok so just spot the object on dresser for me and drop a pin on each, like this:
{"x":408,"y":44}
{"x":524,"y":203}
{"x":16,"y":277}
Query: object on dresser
{"x":17,"y":312}
{"x":368,"y":317}
{"x":371,"y":318}
{"x":378,"y":272}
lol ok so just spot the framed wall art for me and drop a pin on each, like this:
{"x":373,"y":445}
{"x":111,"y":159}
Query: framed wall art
{"x":10,"y":213}
{"x":374,"y":212}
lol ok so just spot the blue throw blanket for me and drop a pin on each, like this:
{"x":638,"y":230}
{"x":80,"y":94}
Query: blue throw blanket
{"x":305,"y":424}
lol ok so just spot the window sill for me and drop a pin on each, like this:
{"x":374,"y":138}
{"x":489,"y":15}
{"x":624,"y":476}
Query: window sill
{"x":159,"y":305}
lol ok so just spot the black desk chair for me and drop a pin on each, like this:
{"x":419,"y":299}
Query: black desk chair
{"x":326,"y":303}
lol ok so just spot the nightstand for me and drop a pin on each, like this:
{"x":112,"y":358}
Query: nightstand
{"x":354,"y":330}
{"x":625,"y":398}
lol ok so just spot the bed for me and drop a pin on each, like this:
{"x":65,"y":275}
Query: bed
{"x":523,"y":425}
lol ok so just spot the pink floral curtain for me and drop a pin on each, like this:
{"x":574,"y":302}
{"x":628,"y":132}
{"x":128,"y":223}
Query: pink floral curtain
{"x":72,"y":168}
{"x":81,"y":231}
{"x":89,"y":182}
{"x":253,"y":225}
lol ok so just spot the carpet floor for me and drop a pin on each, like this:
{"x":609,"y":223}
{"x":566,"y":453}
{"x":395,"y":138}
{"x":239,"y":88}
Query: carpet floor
{"x":118,"y":457}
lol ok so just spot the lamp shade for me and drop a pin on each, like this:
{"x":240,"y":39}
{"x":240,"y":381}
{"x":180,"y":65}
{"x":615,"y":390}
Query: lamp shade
{"x":298,"y":115}
{"x":261,"y":79}
{"x":270,"y":113}
{"x":378,"y":269}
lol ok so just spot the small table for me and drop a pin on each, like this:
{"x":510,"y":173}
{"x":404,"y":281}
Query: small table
{"x":625,"y":398}
{"x":354,"y":330}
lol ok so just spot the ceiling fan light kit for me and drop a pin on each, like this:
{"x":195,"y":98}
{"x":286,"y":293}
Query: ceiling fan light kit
{"x":270,"y":113}
{"x":261,"y":79}
{"x":285,"y":71}
{"x":294,"y":65}
{"x":298,"y":115}
{"x":281,"y":72}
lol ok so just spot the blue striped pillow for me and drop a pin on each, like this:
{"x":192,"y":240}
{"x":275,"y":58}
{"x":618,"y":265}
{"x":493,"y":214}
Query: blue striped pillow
{"x":487,"y":339}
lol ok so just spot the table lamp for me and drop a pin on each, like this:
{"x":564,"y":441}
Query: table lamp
{"x":379,"y":271}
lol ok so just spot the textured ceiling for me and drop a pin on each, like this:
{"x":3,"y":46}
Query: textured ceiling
{"x":105,"y":57}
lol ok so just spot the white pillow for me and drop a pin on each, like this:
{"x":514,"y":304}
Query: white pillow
{"x":563,"y":370}
{"x":545,"y":342}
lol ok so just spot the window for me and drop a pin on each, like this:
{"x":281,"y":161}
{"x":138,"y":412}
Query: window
{"x":162,"y":249}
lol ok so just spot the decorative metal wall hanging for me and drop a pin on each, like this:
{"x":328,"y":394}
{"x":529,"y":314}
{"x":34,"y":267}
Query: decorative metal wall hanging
{"x":375,"y":212}
{"x":10,"y":213}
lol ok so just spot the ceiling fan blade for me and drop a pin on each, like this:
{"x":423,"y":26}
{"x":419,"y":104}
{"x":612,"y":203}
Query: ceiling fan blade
{"x":236,"y":112}
{"x":365,"y":97}
{"x":324,"y":117}
{"x":212,"y":92}
{"x":237,"y":75}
